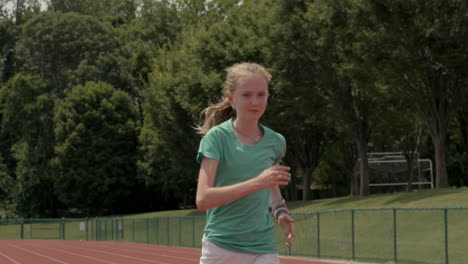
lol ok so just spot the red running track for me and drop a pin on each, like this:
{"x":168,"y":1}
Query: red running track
{"x":97,"y":252}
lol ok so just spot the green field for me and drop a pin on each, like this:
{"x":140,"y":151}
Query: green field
{"x":410,"y":227}
{"x":450,"y":197}
{"x":420,"y":232}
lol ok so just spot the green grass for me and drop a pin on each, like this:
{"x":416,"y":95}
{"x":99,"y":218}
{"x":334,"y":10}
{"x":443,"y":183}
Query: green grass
{"x":449,"y":197}
{"x":420,"y":231}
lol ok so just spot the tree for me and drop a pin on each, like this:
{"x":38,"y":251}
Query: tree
{"x":156,"y":27}
{"x":344,"y":63}
{"x":178,"y":87}
{"x":96,"y":150}
{"x":67,"y":50}
{"x":6,"y":186}
{"x":401,"y":130}
{"x":115,"y":11}
{"x":427,"y":61}
{"x":234,"y":34}
{"x":8,"y":37}
{"x":458,"y":152}
{"x":20,"y":10}
{"x":27,"y":120}
{"x":299,"y":110}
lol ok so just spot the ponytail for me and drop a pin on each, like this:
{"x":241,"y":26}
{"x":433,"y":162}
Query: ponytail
{"x":216,"y":114}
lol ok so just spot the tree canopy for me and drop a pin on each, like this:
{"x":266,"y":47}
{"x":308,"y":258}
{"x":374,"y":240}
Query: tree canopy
{"x":99,"y":99}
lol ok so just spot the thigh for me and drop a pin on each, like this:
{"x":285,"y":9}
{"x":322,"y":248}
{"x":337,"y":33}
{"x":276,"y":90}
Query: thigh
{"x":266,"y":258}
{"x":212,"y":254}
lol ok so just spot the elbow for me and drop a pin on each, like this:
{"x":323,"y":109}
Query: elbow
{"x":201,"y":202}
{"x":201,"y":205}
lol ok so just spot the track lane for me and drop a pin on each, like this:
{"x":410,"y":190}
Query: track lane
{"x":26,"y":255}
{"x":4,"y":259}
{"x":96,"y":250}
{"x":105,"y":252}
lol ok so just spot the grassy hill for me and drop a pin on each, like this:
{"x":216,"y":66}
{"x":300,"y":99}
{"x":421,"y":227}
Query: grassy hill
{"x":449,"y":197}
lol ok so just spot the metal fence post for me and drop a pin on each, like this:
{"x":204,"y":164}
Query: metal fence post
{"x":193,"y":231}
{"x":446,"y":236}
{"x":352,"y":235}
{"x":133,"y":229}
{"x":63,"y":229}
{"x":157,"y":230}
{"x":318,"y":234}
{"x":180,"y":231}
{"x":86,"y":228}
{"x":168,"y":231}
{"x":22,"y":229}
{"x":121,"y":229}
{"x":395,"y":254}
{"x":96,"y":229}
{"x":147,"y":230}
{"x":112,"y":228}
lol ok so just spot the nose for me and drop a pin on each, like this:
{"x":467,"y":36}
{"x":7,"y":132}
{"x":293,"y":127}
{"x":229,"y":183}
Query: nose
{"x":254,"y":100}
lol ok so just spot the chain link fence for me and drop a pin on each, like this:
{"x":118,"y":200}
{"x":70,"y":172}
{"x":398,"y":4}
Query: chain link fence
{"x":400,"y":235}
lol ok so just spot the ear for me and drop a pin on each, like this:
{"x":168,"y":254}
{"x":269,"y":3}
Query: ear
{"x":229,"y":97}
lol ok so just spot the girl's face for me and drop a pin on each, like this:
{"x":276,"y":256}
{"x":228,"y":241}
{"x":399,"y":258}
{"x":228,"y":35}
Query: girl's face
{"x":250,"y":97}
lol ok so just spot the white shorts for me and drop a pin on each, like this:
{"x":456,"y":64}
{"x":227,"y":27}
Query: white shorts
{"x":212,"y":254}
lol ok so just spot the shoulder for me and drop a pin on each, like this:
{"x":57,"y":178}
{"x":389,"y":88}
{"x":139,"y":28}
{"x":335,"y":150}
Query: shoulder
{"x":220,"y":130}
{"x":212,"y":145}
{"x":274,"y":135}
{"x":276,"y":142}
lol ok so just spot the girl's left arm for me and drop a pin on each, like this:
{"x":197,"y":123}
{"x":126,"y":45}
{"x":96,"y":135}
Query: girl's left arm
{"x":275,"y":194}
{"x":285,"y":221}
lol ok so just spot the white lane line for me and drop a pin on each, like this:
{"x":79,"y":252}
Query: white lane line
{"x":88,"y":257}
{"x":149,"y":253}
{"x":120,"y":255}
{"x":185,"y":251}
{"x":79,"y":255}
{"x":44,"y":256}
{"x":10,"y":259}
{"x":145,"y":248}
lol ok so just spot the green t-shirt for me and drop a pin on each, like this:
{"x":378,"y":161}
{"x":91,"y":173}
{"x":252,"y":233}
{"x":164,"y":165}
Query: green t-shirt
{"x":243,"y":225}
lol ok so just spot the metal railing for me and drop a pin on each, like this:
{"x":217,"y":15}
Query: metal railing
{"x":400,"y":235}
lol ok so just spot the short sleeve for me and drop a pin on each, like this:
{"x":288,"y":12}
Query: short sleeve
{"x":281,"y":147}
{"x":210,"y":146}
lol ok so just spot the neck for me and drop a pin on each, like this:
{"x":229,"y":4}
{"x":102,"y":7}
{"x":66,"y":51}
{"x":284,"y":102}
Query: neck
{"x":246,"y":126}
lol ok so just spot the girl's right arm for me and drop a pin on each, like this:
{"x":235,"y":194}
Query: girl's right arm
{"x":210,"y":197}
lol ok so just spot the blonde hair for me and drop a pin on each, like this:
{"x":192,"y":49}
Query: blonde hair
{"x":215,"y":114}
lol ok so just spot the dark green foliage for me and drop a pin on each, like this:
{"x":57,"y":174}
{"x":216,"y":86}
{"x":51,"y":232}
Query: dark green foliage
{"x":96,"y":149}
{"x":98,"y":98}
{"x":27,"y":125}
{"x":6,"y":184}
{"x":426,"y":60}
{"x":68,"y":49}
{"x":8,"y":37}
{"x":115,"y":11}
